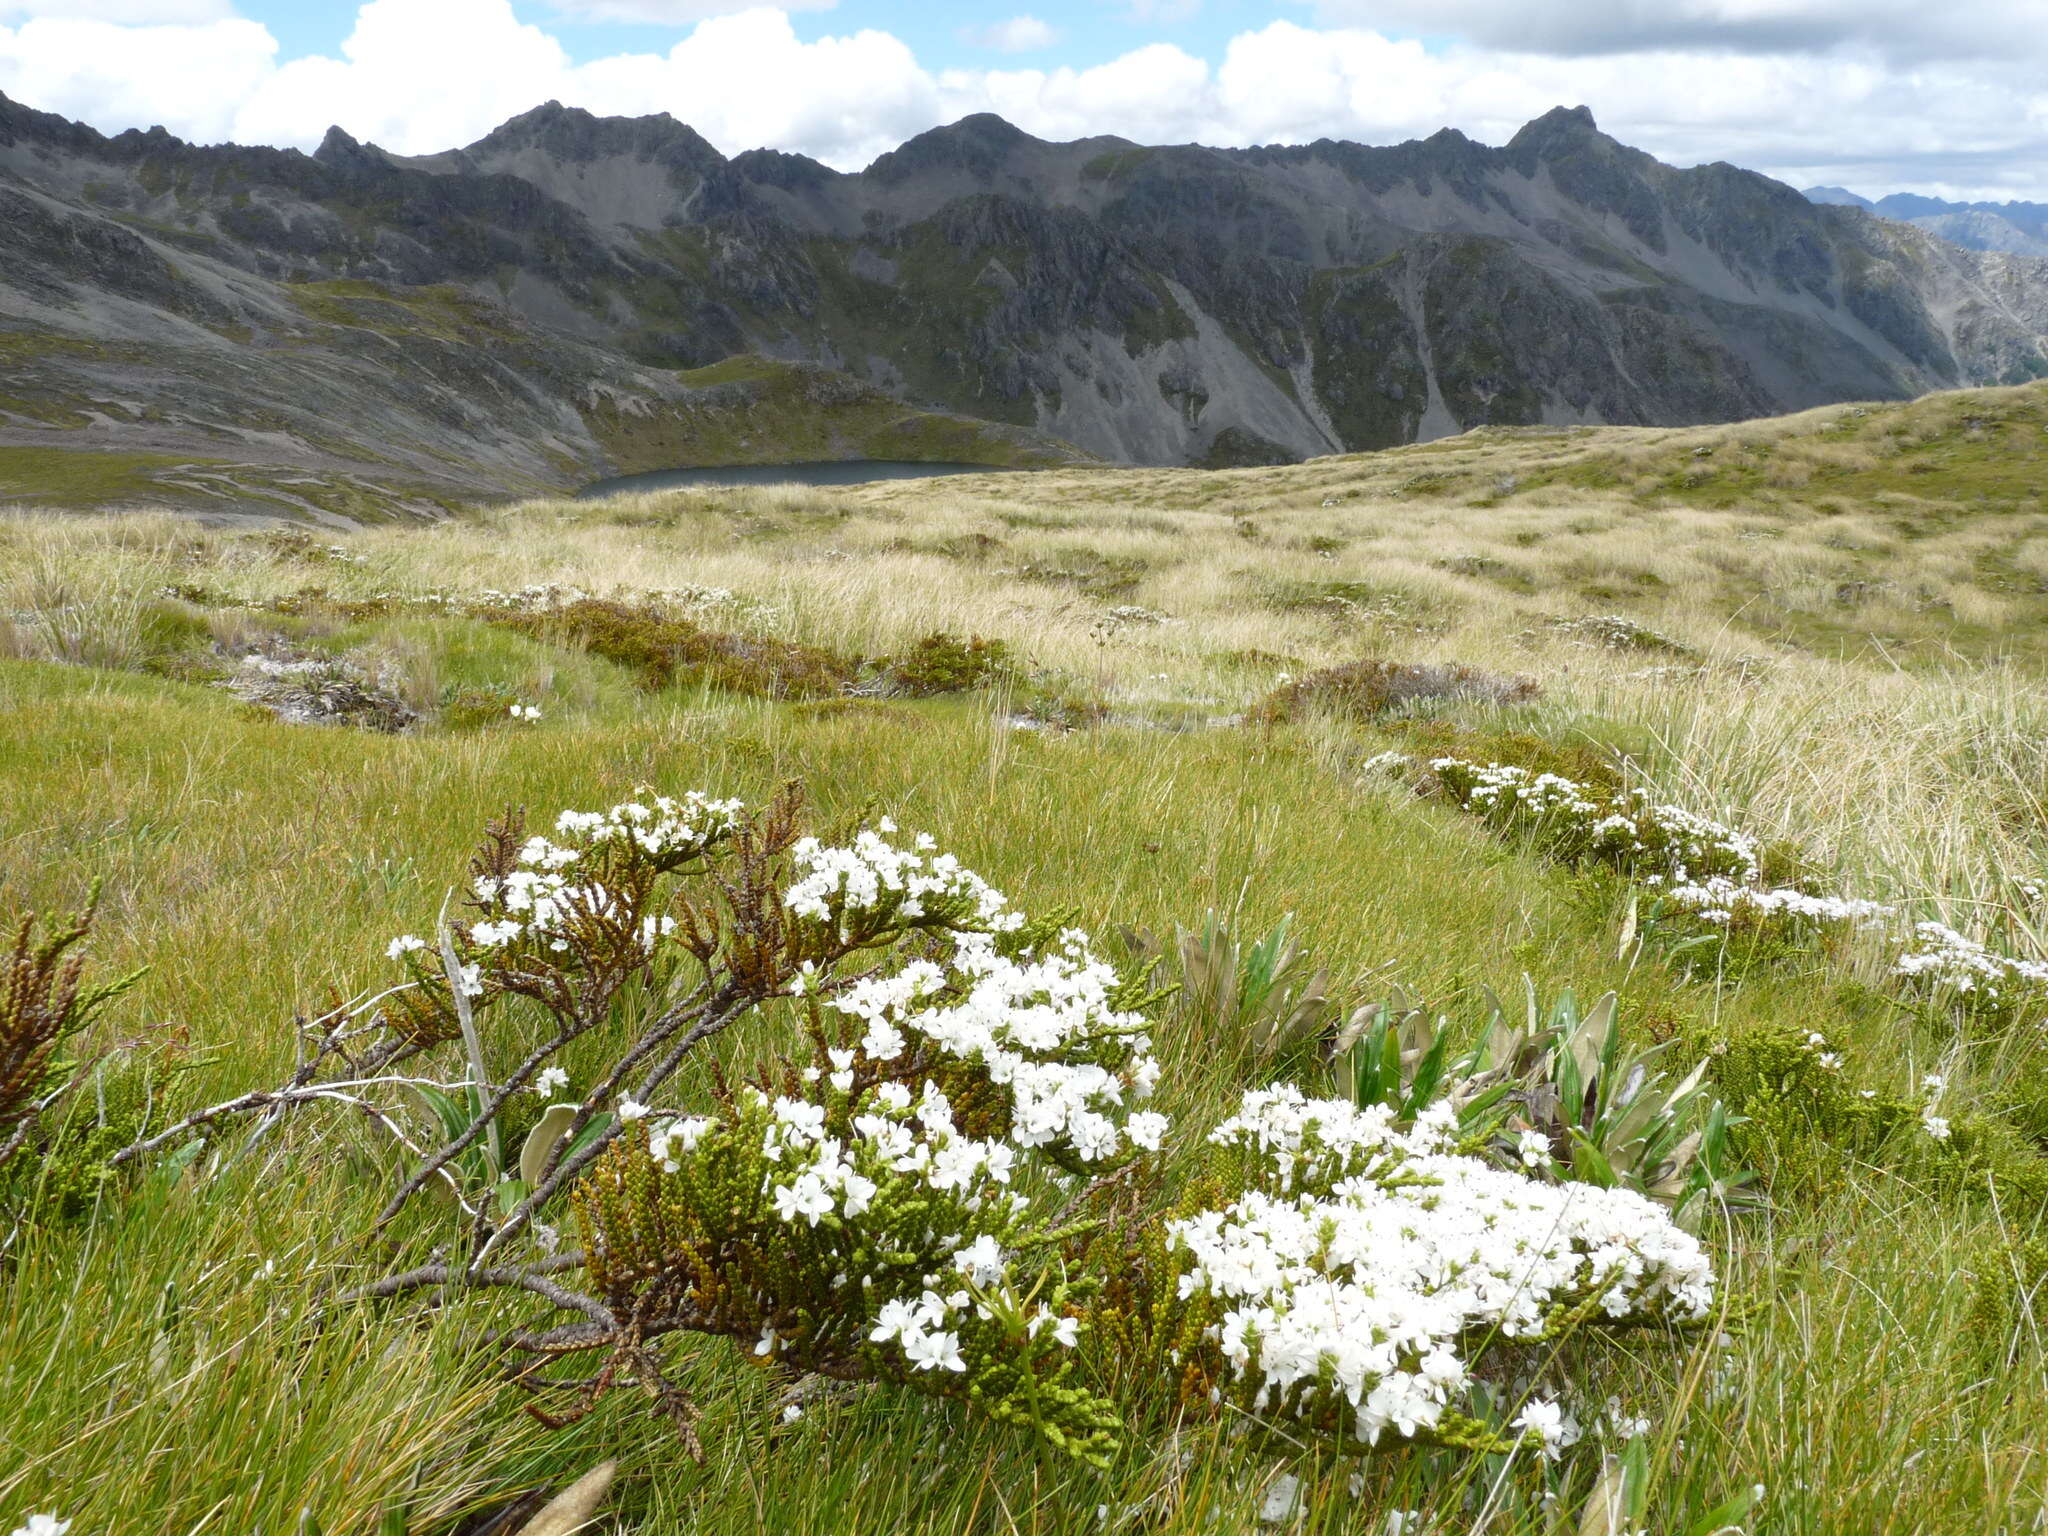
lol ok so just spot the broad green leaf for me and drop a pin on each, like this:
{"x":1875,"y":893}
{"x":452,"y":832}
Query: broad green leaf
{"x":540,"y":1141}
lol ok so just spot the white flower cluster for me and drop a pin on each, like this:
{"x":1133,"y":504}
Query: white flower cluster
{"x":905,"y":1151}
{"x":1043,"y":1029}
{"x":875,"y":875}
{"x":1720,"y":900}
{"x":658,"y":825}
{"x":1628,"y":827}
{"x":1360,"y":1278}
{"x":1946,"y":960}
{"x":1502,"y":787}
{"x":1696,"y":846}
{"x":534,"y":900}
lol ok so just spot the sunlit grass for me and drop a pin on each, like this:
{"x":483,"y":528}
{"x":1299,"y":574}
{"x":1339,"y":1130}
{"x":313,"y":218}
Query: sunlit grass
{"x":166,"y":1365}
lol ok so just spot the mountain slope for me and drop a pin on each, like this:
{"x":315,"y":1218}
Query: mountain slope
{"x":461,"y":318}
{"x":2019,"y":228}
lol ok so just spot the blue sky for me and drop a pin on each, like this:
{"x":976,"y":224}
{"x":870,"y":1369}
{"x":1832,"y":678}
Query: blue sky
{"x":942,"y":35}
{"x":1875,"y":95}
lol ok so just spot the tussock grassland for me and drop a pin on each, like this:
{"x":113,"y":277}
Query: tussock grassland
{"x":1834,"y":641}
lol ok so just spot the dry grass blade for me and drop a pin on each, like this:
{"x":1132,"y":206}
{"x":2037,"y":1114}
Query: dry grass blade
{"x":575,"y":1507}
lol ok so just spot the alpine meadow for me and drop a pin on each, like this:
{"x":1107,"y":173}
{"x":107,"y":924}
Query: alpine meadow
{"x":1529,"y":1016}
{"x":863,"y":818}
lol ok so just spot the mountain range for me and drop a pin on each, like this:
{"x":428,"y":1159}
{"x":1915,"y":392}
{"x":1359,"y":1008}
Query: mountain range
{"x":355,"y":332}
{"x":2009,"y":226}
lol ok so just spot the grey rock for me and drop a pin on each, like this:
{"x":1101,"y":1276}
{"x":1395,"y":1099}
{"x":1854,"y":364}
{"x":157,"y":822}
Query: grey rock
{"x":488,"y":316}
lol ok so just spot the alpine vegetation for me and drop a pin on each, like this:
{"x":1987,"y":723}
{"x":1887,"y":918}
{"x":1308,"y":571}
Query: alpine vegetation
{"x":923,"y":1182}
{"x":1573,"y":822}
{"x":1361,"y":1274}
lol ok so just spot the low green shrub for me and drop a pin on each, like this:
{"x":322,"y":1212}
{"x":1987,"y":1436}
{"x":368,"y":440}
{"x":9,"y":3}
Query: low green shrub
{"x":66,"y":1109}
{"x":662,"y":649}
{"x":945,"y":663}
{"x":484,"y":706}
{"x":1363,"y":690}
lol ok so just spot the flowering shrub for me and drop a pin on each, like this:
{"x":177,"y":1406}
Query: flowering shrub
{"x":944,"y":1176}
{"x":1360,"y":1277}
{"x":1979,"y":980}
{"x":1778,"y":909}
{"x":1717,"y":925}
{"x":1577,"y":822}
{"x":1612,"y":632}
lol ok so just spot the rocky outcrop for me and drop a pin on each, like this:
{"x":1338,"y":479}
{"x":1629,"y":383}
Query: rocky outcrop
{"x":1160,"y":305}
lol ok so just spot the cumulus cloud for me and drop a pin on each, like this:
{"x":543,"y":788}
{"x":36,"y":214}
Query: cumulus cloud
{"x":190,"y":77}
{"x":1905,"y":31}
{"x":124,"y":12}
{"x":1020,"y":34}
{"x":672,"y":13}
{"x":423,"y":75}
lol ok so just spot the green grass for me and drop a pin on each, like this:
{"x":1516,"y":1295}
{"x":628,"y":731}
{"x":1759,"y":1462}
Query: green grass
{"x":164,"y":1360}
{"x":255,"y":891}
{"x":439,"y":310}
{"x":67,"y":478}
{"x":789,"y":414}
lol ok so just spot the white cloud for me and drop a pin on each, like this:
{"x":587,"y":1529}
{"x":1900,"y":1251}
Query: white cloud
{"x":1165,"y":12}
{"x":123,"y":12}
{"x":672,"y":13}
{"x":114,"y":77}
{"x":423,"y":75}
{"x":1020,"y":34}
{"x":415,"y":76}
{"x":1904,"y":31}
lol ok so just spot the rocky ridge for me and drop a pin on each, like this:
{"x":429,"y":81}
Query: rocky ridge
{"x":573,"y":296}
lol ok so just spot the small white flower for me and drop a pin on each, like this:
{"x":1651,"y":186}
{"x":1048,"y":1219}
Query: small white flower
{"x":1830,"y":1060}
{"x":1933,"y":1083}
{"x":43,"y":1525}
{"x":631,"y":1109}
{"x":930,"y":1351}
{"x":1937,"y":1126}
{"x":404,"y":944}
{"x":550,"y":1080}
{"x":981,"y":1261}
{"x":1547,"y":1421}
{"x":1535,"y":1149}
{"x":791,"y":1413}
{"x":491,"y":935}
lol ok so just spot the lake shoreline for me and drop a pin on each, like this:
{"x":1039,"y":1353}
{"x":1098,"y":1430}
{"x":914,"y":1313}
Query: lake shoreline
{"x":822,"y":472}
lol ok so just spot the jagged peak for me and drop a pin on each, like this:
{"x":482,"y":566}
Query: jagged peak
{"x":340,"y":150}
{"x":778,"y":168}
{"x":1559,"y":128}
{"x":337,"y":141}
{"x":575,"y":133}
{"x":977,"y":144}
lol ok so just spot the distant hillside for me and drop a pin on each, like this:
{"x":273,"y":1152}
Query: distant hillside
{"x":2019,"y":228}
{"x":512,"y":315}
